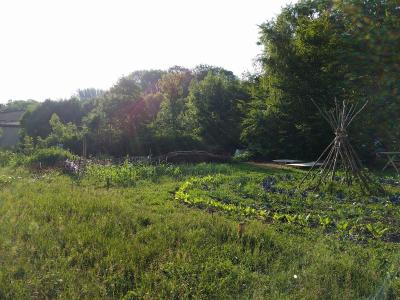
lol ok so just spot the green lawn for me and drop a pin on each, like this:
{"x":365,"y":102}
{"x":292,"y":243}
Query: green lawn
{"x":172,"y":233}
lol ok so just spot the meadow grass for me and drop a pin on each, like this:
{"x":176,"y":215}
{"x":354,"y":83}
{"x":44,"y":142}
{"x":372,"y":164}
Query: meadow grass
{"x":80,"y":239}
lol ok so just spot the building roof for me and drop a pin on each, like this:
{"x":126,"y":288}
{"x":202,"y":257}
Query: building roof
{"x":11,"y":119}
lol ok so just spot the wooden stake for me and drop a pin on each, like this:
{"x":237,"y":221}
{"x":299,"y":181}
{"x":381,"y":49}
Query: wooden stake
{"x":339,"y":118}
{"x":241,"y":227}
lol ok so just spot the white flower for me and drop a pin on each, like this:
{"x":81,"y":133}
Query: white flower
{"x":295,"y":276}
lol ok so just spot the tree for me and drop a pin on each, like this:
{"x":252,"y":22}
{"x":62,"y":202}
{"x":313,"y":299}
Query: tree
{"x":117,"y":119}
{"x":66,"y":134}
{"x":213,"y":111}
{"x":373,"y":40}
{"x":18,"y":105}
{"x":321,"y":50}
{"x":35,"y":123}
{"x":201,"y":71}
{"x":174,"y":86}
{"x":147,"y":80}
{"x":88,"y":94}
{"x":126,"y":88}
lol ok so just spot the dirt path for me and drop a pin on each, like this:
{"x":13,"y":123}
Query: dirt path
{"x":269,"y":165}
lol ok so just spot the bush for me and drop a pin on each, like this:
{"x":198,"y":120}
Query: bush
{"x":50,"y":157}
{"x":241,"y":156}
{"x":9,"y":158}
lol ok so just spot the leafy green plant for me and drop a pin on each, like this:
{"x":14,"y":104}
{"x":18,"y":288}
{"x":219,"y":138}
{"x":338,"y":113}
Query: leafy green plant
{"x":5,"y":180}
{"x":277,"y":217}
{"x":377,"y":230}
{"x":325,"y":222}
{"x":242,"y":156}
{"x":303,"y":219}
{"x":239,"y":196}
{"x":343,"y":226}
{"x":291,"y":218}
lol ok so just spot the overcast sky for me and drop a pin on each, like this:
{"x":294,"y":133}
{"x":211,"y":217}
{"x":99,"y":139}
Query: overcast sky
{"x":50,"y":48}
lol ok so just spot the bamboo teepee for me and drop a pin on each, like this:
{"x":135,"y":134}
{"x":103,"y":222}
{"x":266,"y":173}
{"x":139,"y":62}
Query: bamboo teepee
{"x":340,"y":154}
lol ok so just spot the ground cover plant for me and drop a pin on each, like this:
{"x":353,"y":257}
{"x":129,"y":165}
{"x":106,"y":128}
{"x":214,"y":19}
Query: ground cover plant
{"x":139,"y":238}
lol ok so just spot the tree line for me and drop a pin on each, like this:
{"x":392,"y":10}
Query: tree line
{"x":314,"y":50}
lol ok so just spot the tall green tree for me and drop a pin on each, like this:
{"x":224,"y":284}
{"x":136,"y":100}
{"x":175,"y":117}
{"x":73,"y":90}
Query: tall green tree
{"x":201,"y":71}
{"x":213,"y":111}
{"x":147,"y":80}
{"x":174,"y":86}
{"x":35,"y":123}
{"x":68,"y":135}
{"x":112,"y":121}
{"x":312,"y":50}
{"x":18,"y":105}
{"x":88,"y":93}
{"x":373,"y":39}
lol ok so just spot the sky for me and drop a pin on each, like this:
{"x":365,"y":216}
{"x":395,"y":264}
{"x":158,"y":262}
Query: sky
{"x":51,"y":48}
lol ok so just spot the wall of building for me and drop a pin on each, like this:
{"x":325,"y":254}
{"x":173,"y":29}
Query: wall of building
{"x":9,"y":137}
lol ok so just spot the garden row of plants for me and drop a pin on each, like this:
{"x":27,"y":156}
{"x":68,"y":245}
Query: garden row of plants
{"x":246,"y":197}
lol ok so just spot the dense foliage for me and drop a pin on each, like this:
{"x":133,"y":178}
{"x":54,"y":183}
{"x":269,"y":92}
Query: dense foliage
{"x":314,"y":49}
{"x":18,"y":105}
{"x":324,"y":50}
{"x":149,"y":111}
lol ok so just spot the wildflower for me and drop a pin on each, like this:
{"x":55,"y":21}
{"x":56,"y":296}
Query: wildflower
{"x":295,"y":276}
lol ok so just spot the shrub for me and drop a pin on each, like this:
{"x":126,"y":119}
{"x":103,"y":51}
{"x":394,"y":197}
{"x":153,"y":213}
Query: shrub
{"x":9,"y":158}
{"x":50,"y":157}
{"x":241,"y":156}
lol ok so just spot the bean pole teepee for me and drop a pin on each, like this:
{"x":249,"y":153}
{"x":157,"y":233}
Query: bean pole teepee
{"x":340,"y":154}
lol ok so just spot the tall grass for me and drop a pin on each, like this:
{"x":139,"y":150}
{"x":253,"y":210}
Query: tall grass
{"x":128,"y":174}
{"x":46,"y":157}
{"x":12,"y":159}
{"x":68,"y":241}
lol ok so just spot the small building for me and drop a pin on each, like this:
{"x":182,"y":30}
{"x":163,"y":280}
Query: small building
{"x":10,"y":124}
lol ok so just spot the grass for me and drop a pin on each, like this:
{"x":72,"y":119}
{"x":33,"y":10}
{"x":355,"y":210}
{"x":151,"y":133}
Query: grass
{"x":134,"y":238}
